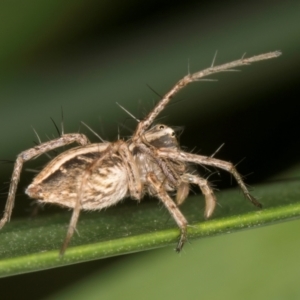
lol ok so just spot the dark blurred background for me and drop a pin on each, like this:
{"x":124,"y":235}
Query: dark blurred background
{"x":83,"y":56}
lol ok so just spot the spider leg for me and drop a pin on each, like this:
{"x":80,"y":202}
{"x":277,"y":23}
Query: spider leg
{"x":134,"y":182}
{"x":210,"y":161}
{"x":72,"y":225}
{"x":75,"y":214}
{"x":148,"y":120}
{"x":172,"y":208}
{"x":30,"y":154}
{"x":210,"y":199}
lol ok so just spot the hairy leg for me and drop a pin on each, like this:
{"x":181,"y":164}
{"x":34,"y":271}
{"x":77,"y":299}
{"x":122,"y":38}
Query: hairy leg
{"x":210,"y":199}
{"x":172,"y":208}
{"x":30,"y":154}
{"x":210,"y":161}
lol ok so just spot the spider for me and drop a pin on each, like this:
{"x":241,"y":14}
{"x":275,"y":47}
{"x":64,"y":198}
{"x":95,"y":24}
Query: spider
{"x":93,"y":176}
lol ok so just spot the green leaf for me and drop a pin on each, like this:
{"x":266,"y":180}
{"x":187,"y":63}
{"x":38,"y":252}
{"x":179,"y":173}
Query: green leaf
{"x":31,"y":245}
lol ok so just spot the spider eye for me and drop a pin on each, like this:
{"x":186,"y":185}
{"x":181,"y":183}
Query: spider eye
{"x":161,"y":127}
{"x":173,"y":133}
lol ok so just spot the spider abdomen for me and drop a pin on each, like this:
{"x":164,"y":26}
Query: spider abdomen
{"x":96,"y":180}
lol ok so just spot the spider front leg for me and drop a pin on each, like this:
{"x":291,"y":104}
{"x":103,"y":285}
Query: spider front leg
{"x":210,"y":199}
{"x":30,"y":154}
{"x":172,"y":208}
{"x":209,"y":161}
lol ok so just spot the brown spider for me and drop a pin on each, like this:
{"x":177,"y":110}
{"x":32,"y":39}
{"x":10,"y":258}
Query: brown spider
{"x":95,"y":176}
